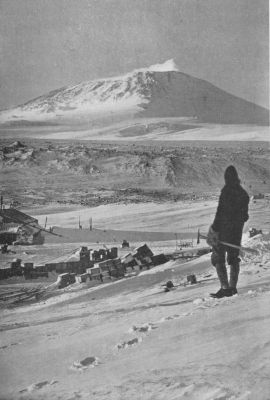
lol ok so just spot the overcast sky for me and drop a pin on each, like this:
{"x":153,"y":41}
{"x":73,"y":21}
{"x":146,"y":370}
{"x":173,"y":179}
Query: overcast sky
{"x":47,"y":44}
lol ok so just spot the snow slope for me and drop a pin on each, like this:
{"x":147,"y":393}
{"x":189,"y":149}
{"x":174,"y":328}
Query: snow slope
{"x":130,"y":340}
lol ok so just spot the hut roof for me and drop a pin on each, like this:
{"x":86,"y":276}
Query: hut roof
{"x":13,"y":215}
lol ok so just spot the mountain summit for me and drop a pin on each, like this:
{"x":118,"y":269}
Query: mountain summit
{"x":158,"y":91}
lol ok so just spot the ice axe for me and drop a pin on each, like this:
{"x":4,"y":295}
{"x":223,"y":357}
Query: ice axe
{"x":234,"y":246}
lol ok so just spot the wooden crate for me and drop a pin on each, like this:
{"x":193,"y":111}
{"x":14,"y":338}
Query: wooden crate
{"x":82,"y":278}
{"x":143,"y":251}
{"x":159,"y":259}
{"x":95,"y":271}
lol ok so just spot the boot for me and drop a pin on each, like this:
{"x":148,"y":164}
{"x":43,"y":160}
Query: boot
{"x":234,"y":273}
{"x":222,"y":293}
{"x":225,"y":290}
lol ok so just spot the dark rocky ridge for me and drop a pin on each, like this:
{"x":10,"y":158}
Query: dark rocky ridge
{"x":98,"y":173}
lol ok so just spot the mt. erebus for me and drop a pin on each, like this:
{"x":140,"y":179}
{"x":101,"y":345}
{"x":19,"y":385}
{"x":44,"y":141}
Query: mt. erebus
{"x":156,"y":92}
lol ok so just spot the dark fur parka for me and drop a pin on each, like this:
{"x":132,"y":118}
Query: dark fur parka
{"x":232,"y":211}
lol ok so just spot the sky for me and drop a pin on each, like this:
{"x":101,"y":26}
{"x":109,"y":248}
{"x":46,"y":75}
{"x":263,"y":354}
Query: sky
{"x":48,"y":44}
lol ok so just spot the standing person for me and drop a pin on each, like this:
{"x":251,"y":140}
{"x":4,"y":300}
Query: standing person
{"x":232,"y":213}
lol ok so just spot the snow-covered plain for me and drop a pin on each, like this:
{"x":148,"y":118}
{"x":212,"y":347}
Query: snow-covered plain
{"x":181,"y":216}
{"x":167,"y":217}
{"x":194,"y":132}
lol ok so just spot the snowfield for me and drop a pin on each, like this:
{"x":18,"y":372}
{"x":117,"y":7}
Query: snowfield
{"x":131,"y":340}
{"x":171,"y":217}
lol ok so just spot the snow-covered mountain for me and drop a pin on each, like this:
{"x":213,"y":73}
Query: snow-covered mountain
{"x":156,"y":92}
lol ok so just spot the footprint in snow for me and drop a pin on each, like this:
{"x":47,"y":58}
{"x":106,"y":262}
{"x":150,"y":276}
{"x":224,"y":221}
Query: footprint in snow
{"x":85,"y":363}
{"x":38,"y":386}
{"x":143,"y":328}
{"x":175,"y":316}
{"x":172,"y":317}
{"x":9,"y":345}
{"x":129,"y":343}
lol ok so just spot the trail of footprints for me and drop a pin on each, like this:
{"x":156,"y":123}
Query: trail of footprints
{"x":198,"y":303}
{"x":93,"y":361}
{"x":143,"y":330}
{"x":140,"y":331}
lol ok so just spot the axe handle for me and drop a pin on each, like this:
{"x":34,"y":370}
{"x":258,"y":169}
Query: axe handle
{"x":233,"y":245}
